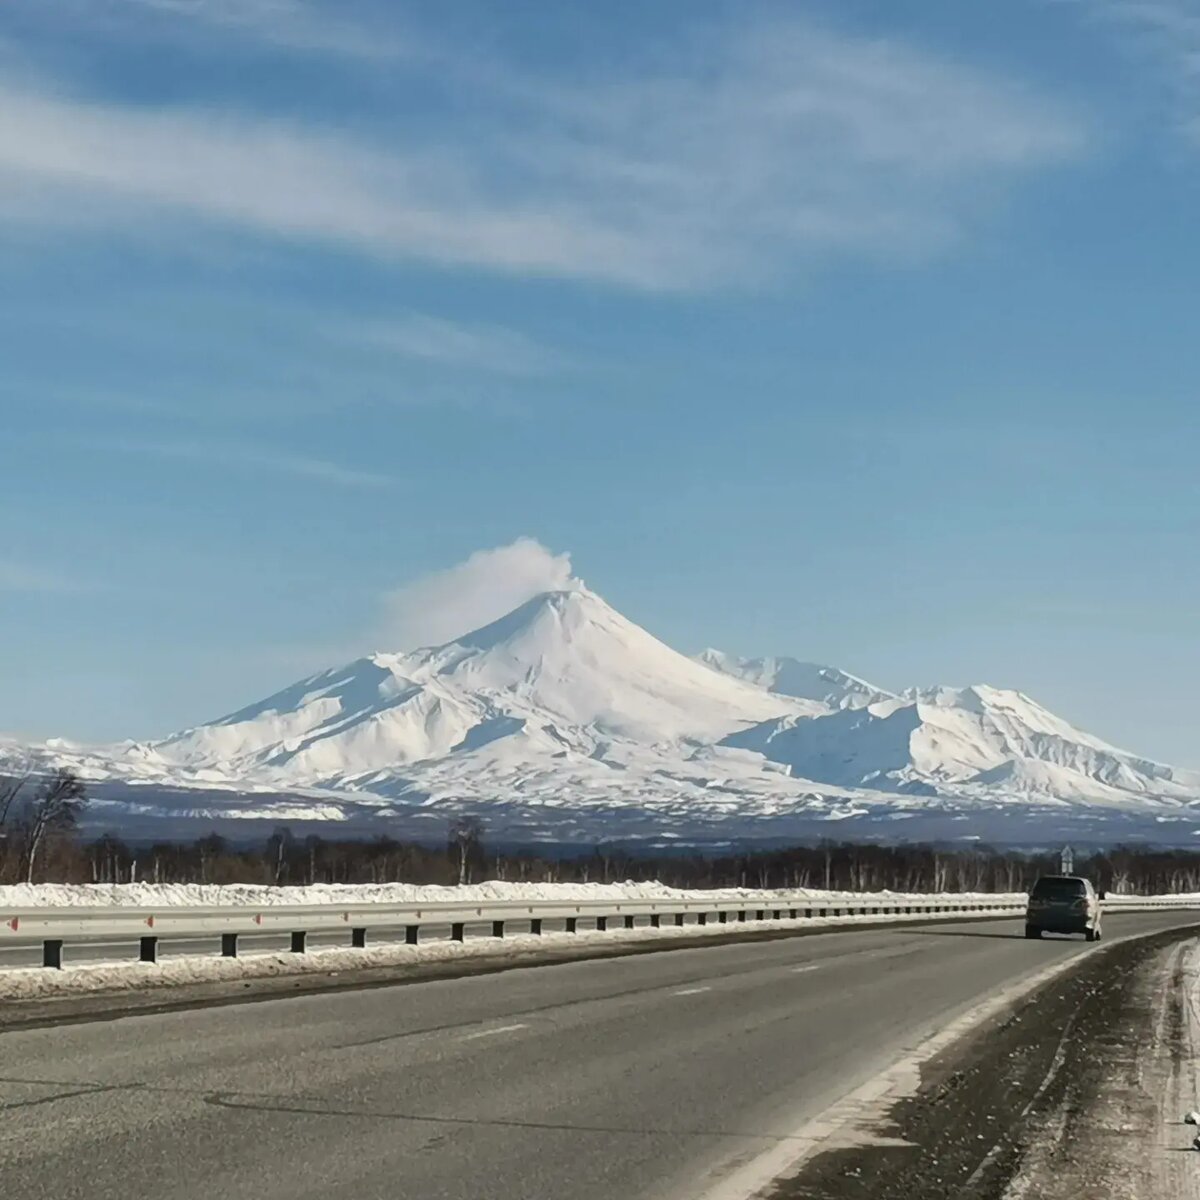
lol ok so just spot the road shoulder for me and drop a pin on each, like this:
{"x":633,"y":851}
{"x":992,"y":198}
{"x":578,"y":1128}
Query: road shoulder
{"x":1062,"y":1094}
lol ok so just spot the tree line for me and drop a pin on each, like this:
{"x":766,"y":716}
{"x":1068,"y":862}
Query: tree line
{"x":40,"y":842}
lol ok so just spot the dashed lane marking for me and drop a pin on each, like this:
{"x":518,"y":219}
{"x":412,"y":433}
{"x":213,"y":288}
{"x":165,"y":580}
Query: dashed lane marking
{"x":470,"y":1037}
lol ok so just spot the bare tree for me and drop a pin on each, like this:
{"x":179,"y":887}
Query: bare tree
{"x":53,"y":810}
{"x":466,"y":845}
{"x":11,"y":787}
{"x":279,"y":848}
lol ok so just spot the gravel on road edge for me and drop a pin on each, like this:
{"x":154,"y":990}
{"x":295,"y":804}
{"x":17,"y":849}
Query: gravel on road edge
{"x":1028,"y":1082}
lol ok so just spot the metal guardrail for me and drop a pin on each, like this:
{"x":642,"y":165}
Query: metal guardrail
{"x":55,"y":926}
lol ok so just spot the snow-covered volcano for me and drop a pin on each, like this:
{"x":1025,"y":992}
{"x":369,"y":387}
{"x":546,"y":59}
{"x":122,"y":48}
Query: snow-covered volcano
{"x":564,"y":672}
{"x":564,"y":721}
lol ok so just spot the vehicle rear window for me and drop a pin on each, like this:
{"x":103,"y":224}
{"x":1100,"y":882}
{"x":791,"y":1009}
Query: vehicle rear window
{"x":1058,"y":889}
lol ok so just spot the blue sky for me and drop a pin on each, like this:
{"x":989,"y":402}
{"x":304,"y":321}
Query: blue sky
{"x":859,"y":331}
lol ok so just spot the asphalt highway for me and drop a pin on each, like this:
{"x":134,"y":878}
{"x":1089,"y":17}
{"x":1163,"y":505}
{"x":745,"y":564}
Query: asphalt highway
{"x":643,"y":1078}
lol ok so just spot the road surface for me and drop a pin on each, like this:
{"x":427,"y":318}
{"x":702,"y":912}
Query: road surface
{"x":641,"y":1078}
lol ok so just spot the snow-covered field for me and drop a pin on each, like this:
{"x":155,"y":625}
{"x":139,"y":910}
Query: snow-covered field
{"x":565,"y":722}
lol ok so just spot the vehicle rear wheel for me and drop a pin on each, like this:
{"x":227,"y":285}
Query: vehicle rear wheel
{"x":1032,"y":931}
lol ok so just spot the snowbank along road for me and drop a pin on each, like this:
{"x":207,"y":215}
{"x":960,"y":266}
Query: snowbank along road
{"x":169,"y":922}
{"x":661,"y":1077}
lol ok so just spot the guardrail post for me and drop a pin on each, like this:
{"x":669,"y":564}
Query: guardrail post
{"x":808,"y":914}
{"x":778,"y":914}
{"x":702,"y":918}
{"x":741,"y":914}
{"x":759,"y":914}
{"x":412,"y":935}
{"x":358,"y":938}
{"x":601,"y":924}
{"x":679,"y":919}
{"x":299,"y":940}
{"x":52,"y":953}
{"x":791,"y":914}
{"x":823,"y":911}
{"x":229,"y":945}
{"x":535,"y":926}
{"x":457,"y":932}
{"x":497,"y":929}
{"x":655,"y":921}
{"x":148,"y":949}
{"x":628,"y":922}
{"x":572,"y":924}
{"x":722,"y":917}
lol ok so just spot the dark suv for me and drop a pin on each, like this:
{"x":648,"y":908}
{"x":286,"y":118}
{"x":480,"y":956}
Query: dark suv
{"x":1063,"y":904}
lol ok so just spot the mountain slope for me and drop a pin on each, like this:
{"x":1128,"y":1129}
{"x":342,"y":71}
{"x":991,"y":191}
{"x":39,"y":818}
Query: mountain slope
{"x":803,"y":680}
{"x":562,"y":672}
{"x":979,"y":735}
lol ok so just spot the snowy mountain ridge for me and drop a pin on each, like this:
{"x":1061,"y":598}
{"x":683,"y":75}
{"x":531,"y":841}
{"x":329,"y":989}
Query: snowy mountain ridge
{"x":565,"y":721}
{"x":803,"y":680}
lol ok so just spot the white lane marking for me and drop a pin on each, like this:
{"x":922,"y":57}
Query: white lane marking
{"x":470,"y":1037}
{"x":810,"y":967}
{"x":692,"y":991}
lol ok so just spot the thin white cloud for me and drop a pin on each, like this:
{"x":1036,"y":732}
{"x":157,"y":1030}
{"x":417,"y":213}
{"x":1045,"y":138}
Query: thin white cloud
{"x":289,"y":24}
{"x":21,"y":577}
{"x":447,"y":604}
{"x":1165,"y":33}
{"x":251,"y":458}
{"x":457,"y":344}
{"x":740,"y":155}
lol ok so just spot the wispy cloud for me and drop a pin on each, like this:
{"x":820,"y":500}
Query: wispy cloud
{"x":21,"y":577}
{"x":745,"y":152}
{"x":1167,"y":34}
{"x":452,"y":343}
{"x":250,"y":458}
{"x":480,"y":589}
{"x":291,"y":24}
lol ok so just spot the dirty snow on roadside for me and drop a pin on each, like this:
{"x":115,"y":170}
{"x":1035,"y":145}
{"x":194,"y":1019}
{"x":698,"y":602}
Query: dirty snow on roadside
{"x":1123,"y":1136}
